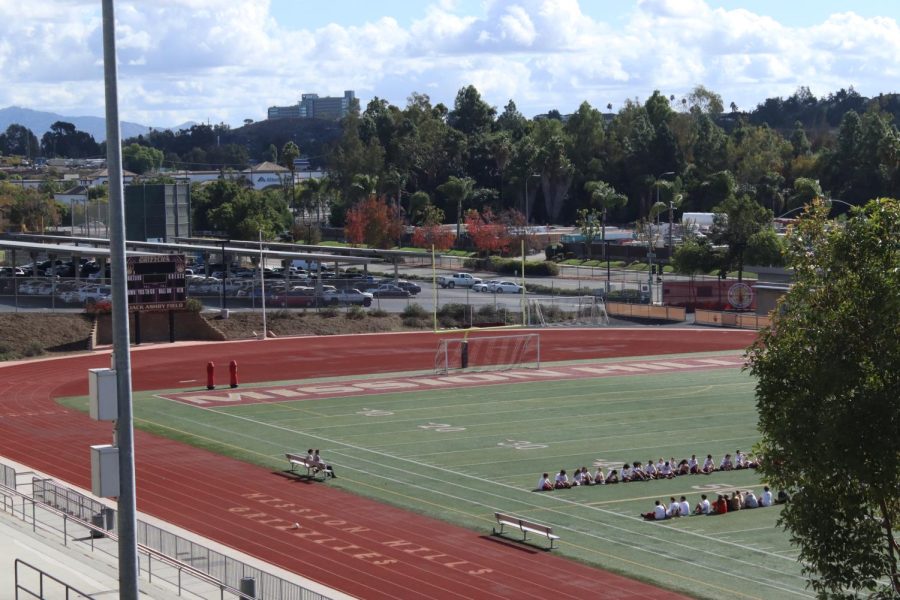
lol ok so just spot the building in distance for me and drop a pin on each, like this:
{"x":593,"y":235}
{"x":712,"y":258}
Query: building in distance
{"x":312,"y":106}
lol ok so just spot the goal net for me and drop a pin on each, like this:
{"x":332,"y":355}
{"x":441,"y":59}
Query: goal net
{"x":567,"y":311}
{"x":488,"y":353}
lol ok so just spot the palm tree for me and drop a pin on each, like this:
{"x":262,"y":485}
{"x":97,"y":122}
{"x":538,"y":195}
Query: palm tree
{"x":605,"y":196}
{"x":458,"y":190}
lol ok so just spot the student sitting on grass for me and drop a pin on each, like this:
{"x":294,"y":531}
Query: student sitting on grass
{"x":708,"y":465}
{"x":703,"y":507}
{"x":666,"y":472}
{"x":637,"y":472}
{"x":740,"y":461}
{"x":544,"y":483}
{"x":684,"y":507}
{"x":735,"y":502}
{"x":683,"y":468}
{"x":627,"y":474}
{"x":613,"y":476}
{"x":652,"y":472}
{"x":577,"y":477}
{"x":766,"y":499}
{"x":720,"y":506}
{"x":657,"y":514}
{"x":727,"y":464}
{"x":674,"y":509}
{"x":586,"y":477}
{"x":693,"y":465}
{"x":750,"y":500}
{"x":599,"y":476}
{"x":562,"y":480}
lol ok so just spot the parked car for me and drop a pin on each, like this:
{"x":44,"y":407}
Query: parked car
{"x":11,"y":272}
{"x":505,"y":287}
{"x":457,"y":280}
{"x":409,"y":286}
{"x":389,"y":290}
{"x":484,"y":286}
{"x":296,"y":297}
{"x":351,"y":296}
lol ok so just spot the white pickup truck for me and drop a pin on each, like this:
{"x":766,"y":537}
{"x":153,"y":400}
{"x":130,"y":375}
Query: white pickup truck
{"x":457,"y":280}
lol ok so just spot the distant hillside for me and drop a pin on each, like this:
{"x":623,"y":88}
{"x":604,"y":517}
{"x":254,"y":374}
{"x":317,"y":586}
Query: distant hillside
{"x":39,"y":122}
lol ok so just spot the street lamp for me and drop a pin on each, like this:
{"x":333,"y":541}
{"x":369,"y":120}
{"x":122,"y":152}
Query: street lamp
{"x":527,"y":177}
{"x":661,"y":175}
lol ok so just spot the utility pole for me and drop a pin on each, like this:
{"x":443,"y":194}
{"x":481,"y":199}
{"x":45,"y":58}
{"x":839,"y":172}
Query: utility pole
{"x":129,"y":569}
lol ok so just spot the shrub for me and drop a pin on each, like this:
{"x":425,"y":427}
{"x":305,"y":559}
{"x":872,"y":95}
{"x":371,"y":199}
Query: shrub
{"x":32,"y":349}
{"x":414,"y":310}
{"x":416,"y":322}
{"x":379,"y":313}
{"x":281,"y":313}
{"x":329,"y":312}
{"x":193,"y":305}
{"x":355,"y":313}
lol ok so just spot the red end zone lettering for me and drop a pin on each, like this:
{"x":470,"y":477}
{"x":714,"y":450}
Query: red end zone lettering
{"x":365,"y":387}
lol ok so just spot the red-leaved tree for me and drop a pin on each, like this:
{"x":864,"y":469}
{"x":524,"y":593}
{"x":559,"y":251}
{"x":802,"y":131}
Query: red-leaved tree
{"x":373,"y":222}
{"x":431,"y":231}
{"x":488,"y":233}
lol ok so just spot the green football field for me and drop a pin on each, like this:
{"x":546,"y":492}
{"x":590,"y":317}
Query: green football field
{"x":461,"y":454}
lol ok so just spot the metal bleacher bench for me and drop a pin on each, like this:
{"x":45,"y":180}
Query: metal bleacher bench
{"x":300,"y":460}
{"x":525,"y":527}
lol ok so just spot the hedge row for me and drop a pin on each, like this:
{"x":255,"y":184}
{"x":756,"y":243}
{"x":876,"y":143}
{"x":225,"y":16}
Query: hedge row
{"x":512,"y":266}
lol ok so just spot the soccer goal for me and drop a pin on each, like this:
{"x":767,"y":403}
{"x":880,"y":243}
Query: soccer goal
{"x":488,"y":353}
{"x":567,"y":311}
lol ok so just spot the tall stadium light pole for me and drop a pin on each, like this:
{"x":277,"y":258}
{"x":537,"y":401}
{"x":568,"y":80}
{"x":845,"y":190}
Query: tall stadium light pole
{"x":262,"y":286}
{"x":127,"y":504}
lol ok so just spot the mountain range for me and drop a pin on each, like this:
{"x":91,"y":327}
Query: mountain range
{"x":39,"y":122}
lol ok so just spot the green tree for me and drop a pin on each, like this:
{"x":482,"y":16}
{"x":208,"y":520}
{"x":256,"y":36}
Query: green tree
{"x":141,"y":159}
{"x":589,"y":222}
{"x":18,"y":140}
{"x":735,"y":222}
{"x":765,"y":248}
{"x":470,"y":113}
{"x":828,"y":396}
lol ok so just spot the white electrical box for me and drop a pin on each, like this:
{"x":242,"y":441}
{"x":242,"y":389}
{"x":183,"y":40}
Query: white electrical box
{"x":104,"y":394}
{"x":105,"y":471}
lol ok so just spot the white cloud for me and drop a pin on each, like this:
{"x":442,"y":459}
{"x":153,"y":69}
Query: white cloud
{"x":224,"y":60}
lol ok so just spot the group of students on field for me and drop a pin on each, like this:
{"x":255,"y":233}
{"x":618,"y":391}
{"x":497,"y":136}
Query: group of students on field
{"x":722,"y":505}
{"x":637,"y":471}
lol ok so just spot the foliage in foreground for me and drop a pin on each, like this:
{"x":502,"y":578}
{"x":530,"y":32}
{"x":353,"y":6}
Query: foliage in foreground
{"x":828,"y":394}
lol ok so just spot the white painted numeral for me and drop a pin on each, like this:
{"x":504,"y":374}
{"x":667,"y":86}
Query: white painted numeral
{"x":521,"y":445}
{"x":442,"y":427}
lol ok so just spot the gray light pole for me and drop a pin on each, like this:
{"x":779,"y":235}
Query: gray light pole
{"x":127,"y":504}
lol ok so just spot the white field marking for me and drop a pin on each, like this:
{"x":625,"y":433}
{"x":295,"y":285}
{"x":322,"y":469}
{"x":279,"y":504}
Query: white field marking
{"x":188,"y":380}
{"x":724,"y":533}
{"x":531,"y":506}
{"x":460,"y":476}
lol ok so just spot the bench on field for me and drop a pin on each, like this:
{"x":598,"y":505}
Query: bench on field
{"x":300,"y":460}
{"x":524,"y":526}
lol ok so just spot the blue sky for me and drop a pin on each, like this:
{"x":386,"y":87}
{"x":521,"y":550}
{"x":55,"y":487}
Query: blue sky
{"x":299,"y":14}
{"x":228,"y":60}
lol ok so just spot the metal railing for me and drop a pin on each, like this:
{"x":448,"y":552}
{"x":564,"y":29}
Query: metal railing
{"x":164,"y":555}
{"x":42,"y":591}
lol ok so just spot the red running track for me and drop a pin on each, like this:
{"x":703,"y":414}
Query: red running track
{"x":352,"y":544}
